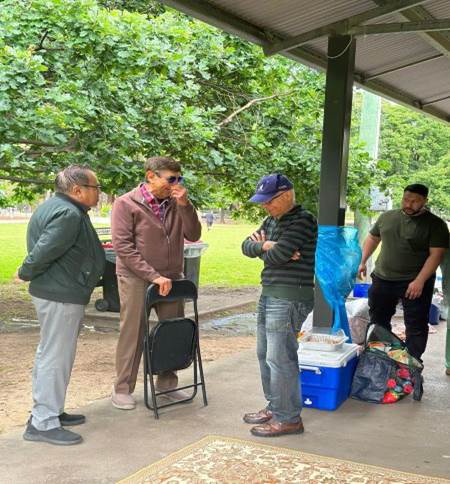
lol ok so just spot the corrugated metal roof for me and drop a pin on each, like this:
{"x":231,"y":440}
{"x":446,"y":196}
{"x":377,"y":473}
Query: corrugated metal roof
{"x":416,"y":85}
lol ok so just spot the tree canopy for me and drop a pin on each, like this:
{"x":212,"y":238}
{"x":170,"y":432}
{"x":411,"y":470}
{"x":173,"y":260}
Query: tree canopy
{"x":90,"y":82}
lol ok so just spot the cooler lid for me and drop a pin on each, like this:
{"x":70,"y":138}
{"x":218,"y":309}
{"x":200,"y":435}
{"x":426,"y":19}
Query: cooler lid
{"x":330,"y":359}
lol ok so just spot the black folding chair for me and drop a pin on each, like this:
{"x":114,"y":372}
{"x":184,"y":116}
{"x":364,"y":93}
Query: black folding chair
{"x":171,"y":345}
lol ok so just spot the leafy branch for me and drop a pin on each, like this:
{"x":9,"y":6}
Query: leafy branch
{"x":229,"y":118}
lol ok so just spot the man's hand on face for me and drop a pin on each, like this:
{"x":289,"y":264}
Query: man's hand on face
{"x":165,"y":285}
{"x":414,"y":290}
{"x":179,"y":193}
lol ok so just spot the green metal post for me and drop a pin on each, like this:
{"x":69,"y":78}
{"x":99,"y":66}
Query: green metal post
{"x":335,"y":145}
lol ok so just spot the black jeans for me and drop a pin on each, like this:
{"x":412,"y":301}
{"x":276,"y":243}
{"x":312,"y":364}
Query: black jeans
{"x":383,"y":298}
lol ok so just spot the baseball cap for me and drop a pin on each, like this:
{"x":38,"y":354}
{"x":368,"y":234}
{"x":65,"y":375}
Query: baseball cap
{"x":269,"y":186}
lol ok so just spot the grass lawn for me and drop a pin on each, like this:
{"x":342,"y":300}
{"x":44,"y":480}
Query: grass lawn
{"x":12,"y":249}
{"x":222,"y":264}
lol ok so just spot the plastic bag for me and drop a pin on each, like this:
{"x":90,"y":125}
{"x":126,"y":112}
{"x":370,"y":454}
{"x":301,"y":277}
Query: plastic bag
{"x":337,"y":259}
{"x":358,"y":319}
{"x":386,"y":372}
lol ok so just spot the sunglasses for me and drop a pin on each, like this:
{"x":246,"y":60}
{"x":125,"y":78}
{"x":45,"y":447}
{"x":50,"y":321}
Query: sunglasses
{"x":172,"y":180}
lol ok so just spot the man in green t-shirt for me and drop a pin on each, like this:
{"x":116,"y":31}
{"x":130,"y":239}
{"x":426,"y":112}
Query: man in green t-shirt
{"x":414,"y":242}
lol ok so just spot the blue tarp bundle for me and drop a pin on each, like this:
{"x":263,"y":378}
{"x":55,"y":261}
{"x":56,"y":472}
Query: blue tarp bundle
{"x":337,"y":259}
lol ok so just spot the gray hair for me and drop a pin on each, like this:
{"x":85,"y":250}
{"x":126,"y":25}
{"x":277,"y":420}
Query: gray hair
{"x":157,"y":163}
{"x":69,"y":177}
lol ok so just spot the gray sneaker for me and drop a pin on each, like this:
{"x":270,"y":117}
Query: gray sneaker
{"x":57,"y":436}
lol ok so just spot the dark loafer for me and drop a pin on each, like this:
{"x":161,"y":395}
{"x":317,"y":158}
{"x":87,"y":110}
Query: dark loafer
{"x":68,"y":420}
{"x":276,"y":429}
{"x":260,"y":417}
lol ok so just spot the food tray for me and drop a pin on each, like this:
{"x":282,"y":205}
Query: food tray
{"x":322,"y":342}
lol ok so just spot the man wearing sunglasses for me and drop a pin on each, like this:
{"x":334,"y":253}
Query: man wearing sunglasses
{"x":64,"y":263}
{"x":286,"y":242}
{"x":149,"y":225}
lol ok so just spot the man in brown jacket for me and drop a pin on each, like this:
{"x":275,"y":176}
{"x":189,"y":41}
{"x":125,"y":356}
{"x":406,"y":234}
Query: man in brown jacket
{"x":149,"y":225}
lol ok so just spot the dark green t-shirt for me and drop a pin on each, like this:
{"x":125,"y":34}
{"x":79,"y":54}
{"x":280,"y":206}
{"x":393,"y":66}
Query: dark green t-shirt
{"x":405,"y":243}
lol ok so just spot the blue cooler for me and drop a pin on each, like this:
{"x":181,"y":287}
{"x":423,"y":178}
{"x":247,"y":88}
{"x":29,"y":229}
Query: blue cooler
{"x":361,"y":290}
{"x":326,"y":376}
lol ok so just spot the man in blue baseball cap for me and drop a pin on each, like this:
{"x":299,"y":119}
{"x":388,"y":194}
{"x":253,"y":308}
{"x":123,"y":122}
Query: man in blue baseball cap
{"x":286,"y":242}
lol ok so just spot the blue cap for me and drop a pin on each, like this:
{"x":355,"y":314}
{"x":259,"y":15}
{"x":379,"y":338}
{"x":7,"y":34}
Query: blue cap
{"x":269,"y":186}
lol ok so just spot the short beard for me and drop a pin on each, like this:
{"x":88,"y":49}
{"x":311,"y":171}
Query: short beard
{"x":415,"y":212}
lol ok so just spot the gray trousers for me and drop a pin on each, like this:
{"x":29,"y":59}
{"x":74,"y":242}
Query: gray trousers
{"x":60,"y":324}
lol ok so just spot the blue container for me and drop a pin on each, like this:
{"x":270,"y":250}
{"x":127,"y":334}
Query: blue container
{"x":326,"y":376}
{"x":361,"y":290}
{"x":433,"y":317}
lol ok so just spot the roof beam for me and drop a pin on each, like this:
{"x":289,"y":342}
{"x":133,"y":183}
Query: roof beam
{"x":428,"y":103}
{"x":227,"y":22}
{"x":340,"y":27}
{"x":401,"y":27}
{"x":439,"y":40}
{"x":400,"y":68}
{"x":202,"y":10}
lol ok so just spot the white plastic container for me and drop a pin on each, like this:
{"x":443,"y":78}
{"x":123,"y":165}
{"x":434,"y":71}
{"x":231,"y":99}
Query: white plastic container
{"x":322,"y":341}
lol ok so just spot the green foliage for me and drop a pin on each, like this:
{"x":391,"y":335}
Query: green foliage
{"x":418,"y":149}
{"x":87,"y":84}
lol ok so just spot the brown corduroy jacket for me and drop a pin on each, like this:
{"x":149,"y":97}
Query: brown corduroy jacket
{"x":146,"y":247}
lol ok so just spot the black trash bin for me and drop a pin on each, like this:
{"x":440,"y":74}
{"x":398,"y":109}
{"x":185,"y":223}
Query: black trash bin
{"x":110,"y":300}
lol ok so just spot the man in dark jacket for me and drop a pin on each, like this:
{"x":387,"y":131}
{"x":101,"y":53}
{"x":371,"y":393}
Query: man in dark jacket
{"x":64,"y":263}
{"x":286,"y":242}
{"x":149,"y":225}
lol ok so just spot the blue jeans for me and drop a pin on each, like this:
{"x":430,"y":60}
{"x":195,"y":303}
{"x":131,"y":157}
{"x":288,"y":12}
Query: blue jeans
{"x":279,"y":321}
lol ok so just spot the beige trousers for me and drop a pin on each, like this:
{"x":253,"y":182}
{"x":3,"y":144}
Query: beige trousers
{"x":132,"y":291}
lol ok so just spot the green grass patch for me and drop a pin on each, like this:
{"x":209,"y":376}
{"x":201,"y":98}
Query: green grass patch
{"x":12,"y":249}
{"x":222,"y":264}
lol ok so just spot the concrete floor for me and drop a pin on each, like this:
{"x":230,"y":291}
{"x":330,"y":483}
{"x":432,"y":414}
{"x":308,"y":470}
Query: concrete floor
{"x":409,"y":436}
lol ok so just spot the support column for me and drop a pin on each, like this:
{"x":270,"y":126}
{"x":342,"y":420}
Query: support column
{"x":335,"y":145}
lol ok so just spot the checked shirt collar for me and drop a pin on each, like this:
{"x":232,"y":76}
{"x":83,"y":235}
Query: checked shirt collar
{"x":159,"y":209}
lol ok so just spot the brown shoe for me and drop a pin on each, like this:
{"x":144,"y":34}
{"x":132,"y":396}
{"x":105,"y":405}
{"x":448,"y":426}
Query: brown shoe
{"x":447,"y":371}
{"x":260,"y":417}
{"x":275,"y":429}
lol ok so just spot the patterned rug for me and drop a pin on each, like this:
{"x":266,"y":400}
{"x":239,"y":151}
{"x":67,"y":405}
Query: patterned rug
{"x":216,"y":459}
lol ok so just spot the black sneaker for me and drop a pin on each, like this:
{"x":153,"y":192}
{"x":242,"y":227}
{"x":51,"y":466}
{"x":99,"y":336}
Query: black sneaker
{"x":57,"y":436}
{"x":67,"y":419}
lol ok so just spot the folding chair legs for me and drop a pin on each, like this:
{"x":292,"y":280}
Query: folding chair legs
{"x":202,"y":378}
{"x":148,"y":376}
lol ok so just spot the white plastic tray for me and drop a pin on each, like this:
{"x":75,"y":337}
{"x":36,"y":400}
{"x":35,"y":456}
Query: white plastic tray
{"x":322,"y":342}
